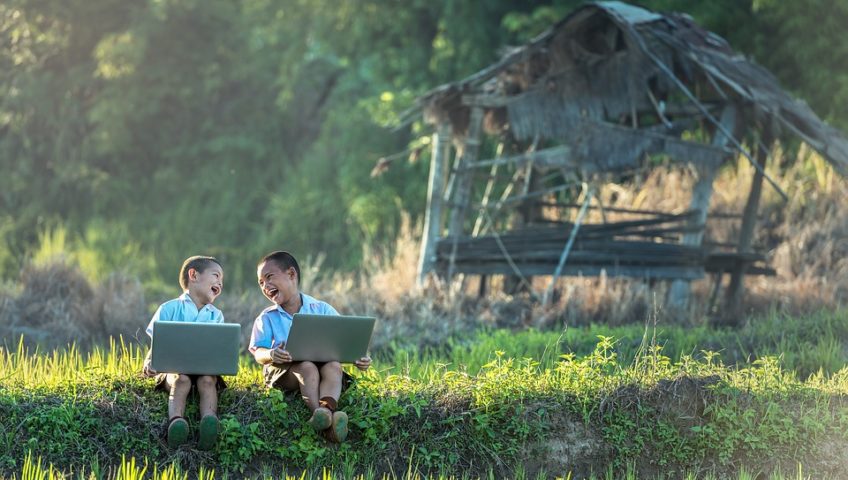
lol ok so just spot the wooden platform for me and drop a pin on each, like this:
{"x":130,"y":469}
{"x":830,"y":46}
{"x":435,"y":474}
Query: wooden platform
{"x":639,"y":249}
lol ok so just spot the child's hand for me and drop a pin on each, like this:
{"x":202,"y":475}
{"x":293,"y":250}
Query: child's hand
{"x":148,"y":371}
{"x":363,"y":363}
{"x":280,"y":356}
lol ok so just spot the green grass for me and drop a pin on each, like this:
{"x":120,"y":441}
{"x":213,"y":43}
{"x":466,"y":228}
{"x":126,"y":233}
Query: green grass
{"x":653,"y":406}
{"x":805,"y":345}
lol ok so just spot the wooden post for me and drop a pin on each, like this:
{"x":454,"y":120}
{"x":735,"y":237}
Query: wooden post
{"x":435,"y":187}
{"x":526,"y":212}
{"x":462,"y":183}
{"x":678,"y":298}
{"x":571,"y":237}
{"x":481,"y":291}
{"x":746,"y":233}
{"x":493,"y":173}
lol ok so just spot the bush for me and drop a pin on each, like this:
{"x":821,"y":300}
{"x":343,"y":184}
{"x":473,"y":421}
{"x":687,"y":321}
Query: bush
{"x":57,"y":305}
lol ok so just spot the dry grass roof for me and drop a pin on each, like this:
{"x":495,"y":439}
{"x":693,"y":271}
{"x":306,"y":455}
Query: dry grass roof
{"x":589,"y":79}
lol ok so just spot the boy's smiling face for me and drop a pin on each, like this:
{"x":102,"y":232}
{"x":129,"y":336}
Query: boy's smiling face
{"x":277,"y":285}
{"x":204,"y":287}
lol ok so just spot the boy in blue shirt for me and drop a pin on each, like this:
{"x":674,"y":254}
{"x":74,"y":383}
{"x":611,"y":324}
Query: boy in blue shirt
{"x":202,"y":279}
{"x":320,"y":384}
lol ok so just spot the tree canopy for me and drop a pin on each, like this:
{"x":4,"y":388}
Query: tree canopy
{"x":150,"y":131}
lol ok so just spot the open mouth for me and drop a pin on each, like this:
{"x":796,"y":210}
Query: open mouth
{"x":271,"y":292}
{"x":216,"y":291}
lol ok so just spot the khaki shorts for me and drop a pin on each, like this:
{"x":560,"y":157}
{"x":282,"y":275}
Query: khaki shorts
{"x":273,"y":375}
{"x":162,"y":382}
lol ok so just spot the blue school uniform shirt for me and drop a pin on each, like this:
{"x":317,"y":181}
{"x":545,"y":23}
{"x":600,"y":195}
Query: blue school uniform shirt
{"x":183,"y":309}
{"x":271,"y":327}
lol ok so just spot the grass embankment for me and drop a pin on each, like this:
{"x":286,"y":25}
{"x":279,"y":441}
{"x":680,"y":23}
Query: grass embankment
{"x":604,"y":411}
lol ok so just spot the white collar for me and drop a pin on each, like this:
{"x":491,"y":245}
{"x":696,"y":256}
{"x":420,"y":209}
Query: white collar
{"x":185,"y":297}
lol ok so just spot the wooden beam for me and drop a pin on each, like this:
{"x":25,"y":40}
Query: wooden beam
{"x":499,"y":101}
{"x":526,"y":269}
{"x":547,"y":296}
{"x":462,"y":181}
{"x":634,"y":211}
{"x":700,"y":203}
{"x":486,"y":101}
{"x":746,"y":234}
{"x":433,"y":213}
{"x":559,"y":156}
{"x":522,"y":198}
{"x":571,"y":158}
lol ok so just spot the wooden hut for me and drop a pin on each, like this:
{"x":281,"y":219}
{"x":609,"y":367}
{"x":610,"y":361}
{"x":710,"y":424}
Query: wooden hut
{"x":604,"y":91}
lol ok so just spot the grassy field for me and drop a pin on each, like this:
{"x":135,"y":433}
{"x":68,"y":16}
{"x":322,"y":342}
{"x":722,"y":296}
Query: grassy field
{"x":587,"y":402}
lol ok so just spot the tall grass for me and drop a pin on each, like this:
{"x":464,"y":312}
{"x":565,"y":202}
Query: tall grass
{"x":126,"y":469}
{"x":26,"y":367}
{"x":806,"y":344}
{"x":129,"y":469}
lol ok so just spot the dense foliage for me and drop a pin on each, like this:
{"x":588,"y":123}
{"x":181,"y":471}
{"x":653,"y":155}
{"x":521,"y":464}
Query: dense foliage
{"x":147,"y":131}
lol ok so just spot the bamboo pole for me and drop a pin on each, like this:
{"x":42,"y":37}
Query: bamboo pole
{"x":547,"y":296}
{"x":489,"y":221}
{"x":433,"y":214}
{"x":478,"y":224}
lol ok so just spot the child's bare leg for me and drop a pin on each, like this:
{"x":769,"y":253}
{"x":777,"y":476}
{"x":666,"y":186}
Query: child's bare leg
{"x":208,"y":403}
{"x":208,"y":393}
{"x":307,"y":378}
{"x":305,"y":375}
{"x":180,"y":385}
{"x":331,"y":389}
{"x":331,"y":380}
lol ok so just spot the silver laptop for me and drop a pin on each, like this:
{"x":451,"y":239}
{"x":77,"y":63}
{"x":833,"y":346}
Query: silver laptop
{"x":325,"y":338}
{"x":196,"y":348}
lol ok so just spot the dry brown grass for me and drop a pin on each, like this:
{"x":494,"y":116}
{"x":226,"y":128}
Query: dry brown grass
{"x":54,"y":305}
{"x":805,"y":239}
{"x":118,"y":304}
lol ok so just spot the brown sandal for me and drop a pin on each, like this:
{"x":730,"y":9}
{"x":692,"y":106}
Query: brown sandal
{"x":322,"y":419}
{"x":339,"y":429}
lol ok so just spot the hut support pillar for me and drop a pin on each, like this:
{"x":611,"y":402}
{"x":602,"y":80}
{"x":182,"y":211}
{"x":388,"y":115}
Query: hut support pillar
{"x":462,"y":183}
{"x":678,"y":298}
{"x":746,"y":235}
{"x":435,"y":190}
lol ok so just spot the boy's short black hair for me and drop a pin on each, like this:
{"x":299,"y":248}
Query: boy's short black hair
{"x":283,"y":260}
{"x":197,"y":262}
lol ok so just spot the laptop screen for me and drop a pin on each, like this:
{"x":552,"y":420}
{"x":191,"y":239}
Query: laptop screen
{"x":325,"y":338}
{"x":196,"y":348}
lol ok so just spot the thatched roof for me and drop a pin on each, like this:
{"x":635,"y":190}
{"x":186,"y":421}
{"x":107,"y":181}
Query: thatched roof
{"x":581,"y":81}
